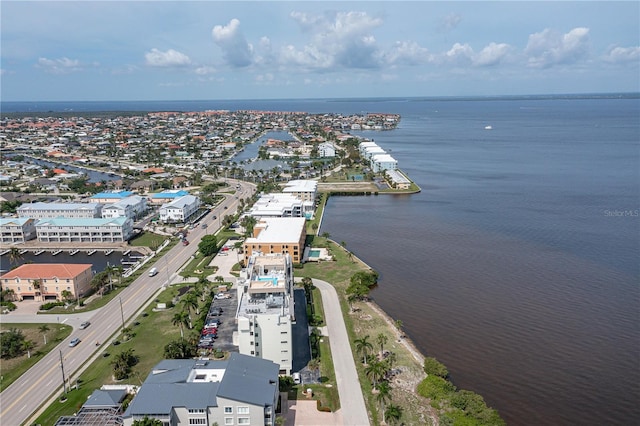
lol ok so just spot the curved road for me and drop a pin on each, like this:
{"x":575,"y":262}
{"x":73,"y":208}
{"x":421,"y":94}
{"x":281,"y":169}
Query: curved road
{"x":44,"y":380}
{"x":352,"y":406}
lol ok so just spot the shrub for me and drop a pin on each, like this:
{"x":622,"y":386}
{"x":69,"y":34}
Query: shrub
{"x":435,"y":367}
{"x":322,"y":407}
{"x":436,"y":388}
{"x":50,"y":305}
{"x":9,"y":305}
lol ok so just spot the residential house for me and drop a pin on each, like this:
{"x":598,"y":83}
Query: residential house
{"x":305,"y":190}
{"x":132,"y":207}
{"x":167,"y":196}
{"x":281,"y":205}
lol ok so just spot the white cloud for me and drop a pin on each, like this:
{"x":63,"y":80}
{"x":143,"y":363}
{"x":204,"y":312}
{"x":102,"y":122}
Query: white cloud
{"x":491,"y":54}
{"x":59,"y":66}
{"x":450,"y":22}
{"x":236,"y":51}
{"x":170,"y":58}
{"x":342,"y":39}
{"x":549,"y":48}
{"x":622,"y":55}
{"x":407,"y":53}
{"x":205,"y":70}
{"x":459,"y":54}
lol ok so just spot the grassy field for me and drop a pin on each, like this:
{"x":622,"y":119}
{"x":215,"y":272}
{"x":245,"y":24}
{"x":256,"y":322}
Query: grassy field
{"x":11,"y":369}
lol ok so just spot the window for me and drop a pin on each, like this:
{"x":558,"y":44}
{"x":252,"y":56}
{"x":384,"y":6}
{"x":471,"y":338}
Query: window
{"x":242,"y":410}
{"x":228,"y":420}
{"x":198,"y":421}
{"x":228,"y":410}
{"x":196,"y":410}
{"x":243,"y":421}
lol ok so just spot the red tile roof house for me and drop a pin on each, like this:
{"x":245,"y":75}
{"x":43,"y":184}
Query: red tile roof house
{"x":47,"y":281}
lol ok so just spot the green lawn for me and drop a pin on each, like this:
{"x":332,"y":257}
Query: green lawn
{"x":12,"y":369}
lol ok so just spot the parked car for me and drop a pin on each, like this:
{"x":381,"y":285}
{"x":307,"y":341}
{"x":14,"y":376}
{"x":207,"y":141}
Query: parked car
{"x":84,"y":325}
{"x":185,"y":242}
{"x":296,"y":378}
{"x":204,"y":225}
{"x":74,"y":342}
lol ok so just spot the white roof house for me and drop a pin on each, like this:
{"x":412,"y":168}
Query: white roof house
{"x":180,"y":209}
{"x":280,"y":205}
{"x":306,"y":190}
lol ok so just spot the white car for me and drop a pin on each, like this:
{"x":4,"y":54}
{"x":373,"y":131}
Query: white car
{"x":74,"y":342}
{"x":84,"y":325}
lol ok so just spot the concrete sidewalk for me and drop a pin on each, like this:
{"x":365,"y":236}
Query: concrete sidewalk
{"x":353,"y":409}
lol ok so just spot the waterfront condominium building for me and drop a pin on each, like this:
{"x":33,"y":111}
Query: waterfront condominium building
{"x":167,"y":196}
{"x":180,"y":209}
{"x":266,"y":309}
{"x":382,"y":162}
{"x":41,"y":210}
{"x":47,"y":281}
{"x":306,"y":190}
{"x":281,"y":205}
{"x":110,"y":230}
{"x":15,"y":230}
{"x":242,"y":390}
{"x":283,"y":235}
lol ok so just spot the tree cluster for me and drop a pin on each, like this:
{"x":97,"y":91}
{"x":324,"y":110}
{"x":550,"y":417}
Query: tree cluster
{"x":12,"y":343}
{"x":208,"y":245}
{"x":123,"y":363}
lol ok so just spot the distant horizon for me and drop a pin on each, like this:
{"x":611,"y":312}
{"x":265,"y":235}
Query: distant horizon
{"x":626,"y":94}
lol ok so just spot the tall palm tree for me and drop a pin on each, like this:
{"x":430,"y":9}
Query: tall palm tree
{"x":362,"y":346}
{"x":393,"y":413}
{"x":375,"y":371}
{"x":382,"y":339}
{"x":190,"y":302}
{"x":43,"y":329}
{"x":383,"y":397}
{"x":37,"y":285}
{"x":181,"y":319}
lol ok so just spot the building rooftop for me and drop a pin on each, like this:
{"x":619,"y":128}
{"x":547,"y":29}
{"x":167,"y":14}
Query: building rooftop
{"x":112,"y":194}
{"x":278,"y":230}
{"x":300,"y":186}
{"x":58,"y":206}
{"x":47,"y":270}
{"x":268,"y":280}
{"x":183,"y":383}
{"x":173,"y":193}
{"x":181,"y":202}
{"x":14,"y":221}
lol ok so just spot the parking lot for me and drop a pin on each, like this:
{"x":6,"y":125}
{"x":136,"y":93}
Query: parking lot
{"x":227,"y":322}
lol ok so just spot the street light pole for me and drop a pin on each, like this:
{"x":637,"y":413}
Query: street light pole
{"x":122,"y":314}
{"x":64,"y":381}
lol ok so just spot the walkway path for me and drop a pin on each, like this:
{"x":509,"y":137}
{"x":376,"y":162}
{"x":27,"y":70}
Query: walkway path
{"x":352,"y":406}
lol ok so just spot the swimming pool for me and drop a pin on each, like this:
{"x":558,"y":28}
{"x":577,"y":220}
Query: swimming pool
{"x":314,"y":253}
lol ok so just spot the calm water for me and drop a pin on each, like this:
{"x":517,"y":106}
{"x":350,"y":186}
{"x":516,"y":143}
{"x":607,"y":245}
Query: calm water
{"x":517,"y":264}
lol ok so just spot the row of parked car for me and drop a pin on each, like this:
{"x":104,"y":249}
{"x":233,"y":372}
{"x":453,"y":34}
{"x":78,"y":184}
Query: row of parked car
{"x":210,"y":330}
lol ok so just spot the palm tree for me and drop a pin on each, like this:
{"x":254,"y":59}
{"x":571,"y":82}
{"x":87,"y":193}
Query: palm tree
{"x":314,"y":364}
{"x":383,"y":396}
{"x":398,"y":324}
{"x":393,"y":413}
{"x":190,"y":301}
{"x":181,"y":319}
{"x":14,"y":255}
{"x":382,"y":339}
{"x":37,"y":285}
{"x":350,"y":299}
{"x":391,"y":359}
{"x":43,"y":329}
{"x":362,"y":346}
{"x":375,"y":371}
{"x":27,"y":345}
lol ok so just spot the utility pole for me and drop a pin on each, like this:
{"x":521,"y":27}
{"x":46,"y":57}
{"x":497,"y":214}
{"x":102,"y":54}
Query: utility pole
{"x":64,"y":381}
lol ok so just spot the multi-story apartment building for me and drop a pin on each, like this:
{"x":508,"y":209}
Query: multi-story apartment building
{"x":281,"y":205}
{"x":283,"y":235}
{"x":110,"y":230}
{"x":382,"y":162}
{"x":131,"y":207}
{"x":41,"y":210}
{"x":45,"y":281}
{"x":242,"y":390}
{"x":179,"y":210}
{"x":15,"y":230}
{"x":306,"y":190}
{"x":266,"y":309}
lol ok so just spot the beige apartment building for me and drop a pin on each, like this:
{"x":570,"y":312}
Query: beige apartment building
{"x":47,"y":281}
{"x":281,"y":235}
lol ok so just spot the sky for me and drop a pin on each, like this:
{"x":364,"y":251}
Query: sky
{"x":197,"y":50}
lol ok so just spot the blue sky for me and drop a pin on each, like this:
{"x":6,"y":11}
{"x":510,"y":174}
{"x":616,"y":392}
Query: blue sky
{"x":170,"y":50}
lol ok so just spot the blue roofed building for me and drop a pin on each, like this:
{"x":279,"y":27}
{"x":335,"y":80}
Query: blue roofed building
{"x":242,"y":390}
{"x":108,"y":230}
{"x":14,"y":230}
{"x":111,"y":196}
{"x":167,"y":195}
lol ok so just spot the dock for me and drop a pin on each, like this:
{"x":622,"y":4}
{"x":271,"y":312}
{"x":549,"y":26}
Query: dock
{"x":39,"y":252}
{"x":57,"y":252}
{"x":73,"y":252}
{"x":91,"y":252}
